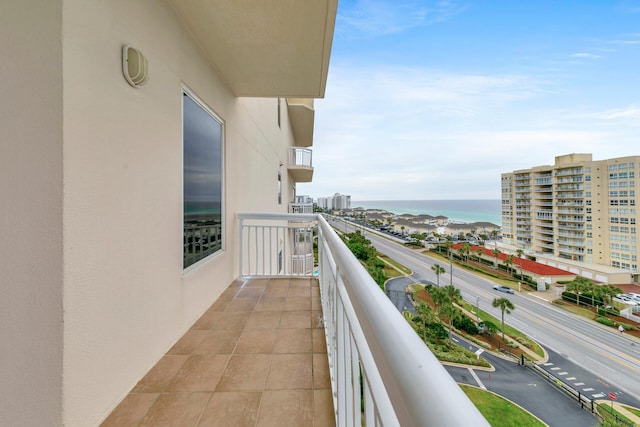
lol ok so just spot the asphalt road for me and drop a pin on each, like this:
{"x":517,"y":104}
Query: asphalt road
{"x":610,"y":358}
{"x":525,"y":388}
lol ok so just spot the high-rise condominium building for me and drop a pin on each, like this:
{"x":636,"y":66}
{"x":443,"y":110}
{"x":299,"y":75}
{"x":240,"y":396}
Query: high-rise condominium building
{"x":341,"y":201}
{"x":579,"y":211}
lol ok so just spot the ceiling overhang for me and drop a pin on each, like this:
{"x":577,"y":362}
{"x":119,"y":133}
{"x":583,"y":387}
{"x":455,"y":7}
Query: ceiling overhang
{"x":265,"y":48}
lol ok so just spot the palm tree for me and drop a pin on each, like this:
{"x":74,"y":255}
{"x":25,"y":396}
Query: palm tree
{"x":451,"y":313}
{"x":579,"y":285}
{"x":495,"y":253}
{"x":425,"y":316}
{"x":504,"y":305}
{"x":479,"y":251}
{"x":453,"y":293}
{"x":509,"y":262}
{"x":439,"y":297}
{"x":520,"y":252}
{"x":466,"y":250}
{"x":438,"y":270}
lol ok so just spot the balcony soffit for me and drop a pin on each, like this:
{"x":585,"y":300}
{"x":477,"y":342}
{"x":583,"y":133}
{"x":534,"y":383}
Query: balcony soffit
{"x":301,"y":115}
{"x":265,"y":48}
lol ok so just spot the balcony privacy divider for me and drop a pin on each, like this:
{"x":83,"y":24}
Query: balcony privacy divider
{"x":382,"y":374}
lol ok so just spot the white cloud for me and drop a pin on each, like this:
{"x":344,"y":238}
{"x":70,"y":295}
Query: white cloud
{"x":585,"y":55}
{"x":380,"y":17}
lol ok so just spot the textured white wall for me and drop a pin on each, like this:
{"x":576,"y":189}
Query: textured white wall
{"x":126,"y":297}
{"x":30,"y":214}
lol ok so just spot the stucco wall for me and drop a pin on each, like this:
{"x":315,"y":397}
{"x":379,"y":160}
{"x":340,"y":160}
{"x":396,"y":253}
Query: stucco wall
{"x":30,"y":214}
{"x":126,"y":296}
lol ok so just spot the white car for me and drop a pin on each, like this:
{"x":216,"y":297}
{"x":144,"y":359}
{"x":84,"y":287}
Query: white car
{"x":503,"y":289}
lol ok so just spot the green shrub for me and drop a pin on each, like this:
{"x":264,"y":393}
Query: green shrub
{"x":605,"y":321}
{"x":466,"y":324}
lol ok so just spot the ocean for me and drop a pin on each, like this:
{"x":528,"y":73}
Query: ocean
{"x":455,"y":210}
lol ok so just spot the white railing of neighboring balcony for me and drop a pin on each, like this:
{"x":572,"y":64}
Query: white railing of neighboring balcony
{"x":300,"y":157}
{"x":369,"y":344}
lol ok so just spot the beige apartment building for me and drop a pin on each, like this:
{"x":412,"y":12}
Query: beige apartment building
{"x":107,"y":110}
{"x":578,"y":214}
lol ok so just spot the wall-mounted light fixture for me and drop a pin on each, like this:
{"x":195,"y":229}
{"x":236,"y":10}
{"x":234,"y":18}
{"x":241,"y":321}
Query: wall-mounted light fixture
{"x":135,"y":66}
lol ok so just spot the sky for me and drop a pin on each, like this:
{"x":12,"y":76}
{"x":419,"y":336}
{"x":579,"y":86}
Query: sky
{"x":433,"y":100}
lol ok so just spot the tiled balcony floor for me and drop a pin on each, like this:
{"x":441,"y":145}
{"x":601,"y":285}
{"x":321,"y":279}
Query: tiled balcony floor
{"x":257,"y":357}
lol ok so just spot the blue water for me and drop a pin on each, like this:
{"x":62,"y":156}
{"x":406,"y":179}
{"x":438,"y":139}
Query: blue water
{"x":455,"y":210}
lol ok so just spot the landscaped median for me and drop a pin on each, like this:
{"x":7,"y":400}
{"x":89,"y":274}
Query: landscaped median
{"x":487,"y":336}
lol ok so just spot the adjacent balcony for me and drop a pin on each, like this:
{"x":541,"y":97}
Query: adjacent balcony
{"x":290,"y":345}
{"x":301,"y":115}
{"x":300,"y":164}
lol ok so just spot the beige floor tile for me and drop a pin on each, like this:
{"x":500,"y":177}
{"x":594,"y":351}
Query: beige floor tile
{"x":321,"y":378}
{"x":275,"y":292}
{"x":316,"y":304}
{"x":232,"y":409}
{"x":284,"y":281}
{"x":200,"y":372}
{"x":245,"y":372}
{"x":256,"y":283}
{"x":254,"y":292}
{"x":301,"y":282}
{"x":159,"y":377}
{"x":286,"y":408}
{"x":270,"y":304}
{"x":241,"y":304}
{"x":319,"y":341}
{"x":256,"y":341}
{"x":323,"y":413}
{"x":289,"y":372}
{"x":295,"y":319}
{"x":131,"y":410}
{"x":264,"y":320}
{"x":229,"y":320}
{"x":298,"y":340}
{"x":297,"y":303}
{"x":315,"y":292}
{"x":176,"y":409}
{"x":189,"y":341}
{"x":299,"y":291}
{"x":316,"y":317}
{"x":218,"y":341}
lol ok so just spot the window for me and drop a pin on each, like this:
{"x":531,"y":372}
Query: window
{"x":202,"y":181}
{"x":279,"y":188}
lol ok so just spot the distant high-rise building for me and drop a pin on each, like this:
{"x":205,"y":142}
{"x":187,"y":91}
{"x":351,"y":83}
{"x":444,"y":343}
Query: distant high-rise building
{"x":341,"y":201}
{"x":325,"y":203}
{"x":579,"y":211}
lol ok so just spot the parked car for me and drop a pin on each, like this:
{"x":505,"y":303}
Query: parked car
{"x":503,"y":289}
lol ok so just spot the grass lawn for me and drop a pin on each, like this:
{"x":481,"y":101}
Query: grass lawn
{"x":500,"y":412}
{"x":395,"y":266}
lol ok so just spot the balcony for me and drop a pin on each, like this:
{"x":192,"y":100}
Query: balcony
{"x":303,"y":208}
{"x":300,"y":164}
{"x":283,"y":346}
{"x":302,"y":115}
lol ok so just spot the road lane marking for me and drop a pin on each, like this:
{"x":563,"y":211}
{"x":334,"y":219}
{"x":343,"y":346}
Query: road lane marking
{"x":475,"y":377}
{"x":571,"y":378}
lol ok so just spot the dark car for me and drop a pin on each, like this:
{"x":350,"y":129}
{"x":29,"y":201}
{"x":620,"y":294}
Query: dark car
{"x":503,"y":289}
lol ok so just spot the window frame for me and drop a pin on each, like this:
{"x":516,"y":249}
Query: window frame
{"x":186,"y":91}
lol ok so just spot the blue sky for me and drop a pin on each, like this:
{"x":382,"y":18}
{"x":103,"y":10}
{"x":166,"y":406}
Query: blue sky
{"x":435,"y":99}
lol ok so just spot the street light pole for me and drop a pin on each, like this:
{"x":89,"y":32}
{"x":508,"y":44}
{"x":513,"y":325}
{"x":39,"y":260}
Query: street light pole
{"x":450,"y":267}
{"x":478,"y":310}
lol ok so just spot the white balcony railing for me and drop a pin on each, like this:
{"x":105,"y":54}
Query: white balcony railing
{"x":370,"y":346}
{"x":305,"y":208}
{"x":300,"y":157}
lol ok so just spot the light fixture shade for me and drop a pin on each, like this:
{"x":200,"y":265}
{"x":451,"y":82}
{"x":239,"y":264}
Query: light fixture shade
{"x":135,"y":66}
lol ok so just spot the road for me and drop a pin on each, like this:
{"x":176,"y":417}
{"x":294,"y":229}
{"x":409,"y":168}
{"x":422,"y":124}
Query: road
{"x":608,"y":362}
